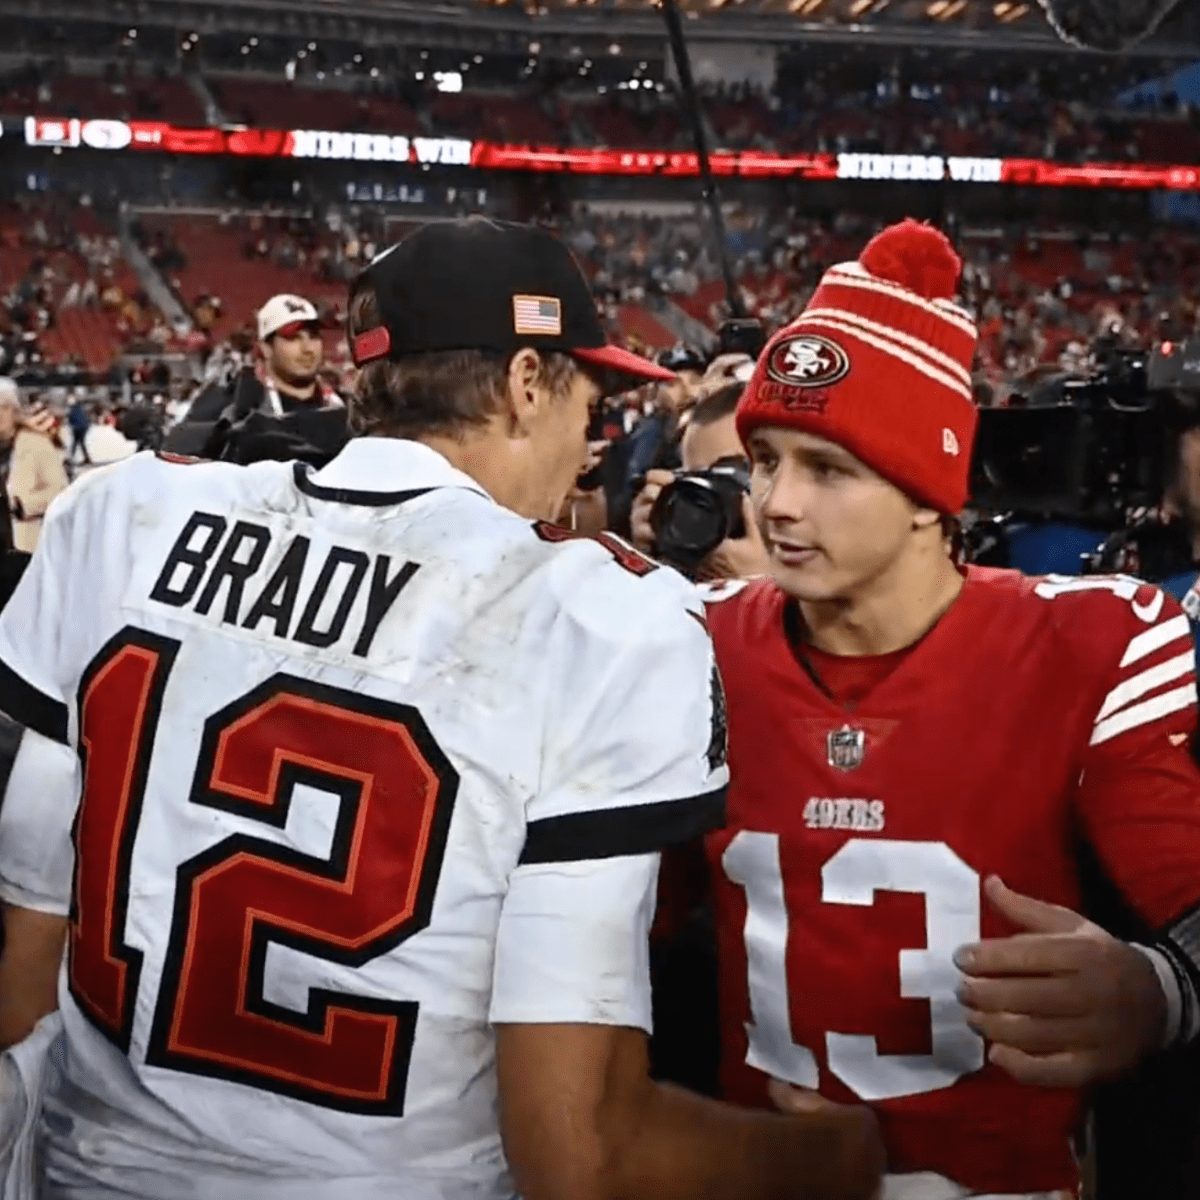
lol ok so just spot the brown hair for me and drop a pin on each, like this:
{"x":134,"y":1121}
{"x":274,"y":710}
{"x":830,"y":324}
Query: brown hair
{"x":718,"y":404}
{"x":444,"y":391}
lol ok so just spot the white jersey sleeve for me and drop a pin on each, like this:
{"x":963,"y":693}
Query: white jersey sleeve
{"x":633,"y":762}
{"x":40,"y":768}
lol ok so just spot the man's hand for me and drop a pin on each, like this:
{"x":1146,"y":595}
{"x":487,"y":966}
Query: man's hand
{"x":1064,"y":1003}
{"x":798,"y":1101}
{"x":639,"y":518}
{"x":802,"y":1102}
{"x":595,"y":456}
{"x":722,"y":371}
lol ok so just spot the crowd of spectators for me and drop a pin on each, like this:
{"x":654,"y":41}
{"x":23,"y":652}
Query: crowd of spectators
{"x":58,"y":256}
{"x":1041,"y":295}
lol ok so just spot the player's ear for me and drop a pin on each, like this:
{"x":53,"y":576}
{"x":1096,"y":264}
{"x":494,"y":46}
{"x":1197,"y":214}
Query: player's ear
{"x":524,"y":399}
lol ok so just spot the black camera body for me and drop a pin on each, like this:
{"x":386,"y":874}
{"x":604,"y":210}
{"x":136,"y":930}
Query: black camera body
{"x":744,"y":335}
{"x":698,"y":510}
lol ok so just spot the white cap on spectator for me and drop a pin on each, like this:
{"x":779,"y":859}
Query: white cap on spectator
{"x":281,"y":311}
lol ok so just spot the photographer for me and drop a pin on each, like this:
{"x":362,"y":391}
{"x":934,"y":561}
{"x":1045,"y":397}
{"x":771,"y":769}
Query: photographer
{"x":283,"y":411}
{"x":289,"y":340}
{"x":711,"y":453}
{"x":654,"y":440}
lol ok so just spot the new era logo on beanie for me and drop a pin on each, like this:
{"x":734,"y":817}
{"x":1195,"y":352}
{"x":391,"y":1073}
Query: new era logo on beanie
{"x":880,"y":362}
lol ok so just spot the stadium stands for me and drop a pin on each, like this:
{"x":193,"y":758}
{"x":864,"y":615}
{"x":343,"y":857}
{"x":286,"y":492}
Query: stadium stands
{"x":117,"y":95}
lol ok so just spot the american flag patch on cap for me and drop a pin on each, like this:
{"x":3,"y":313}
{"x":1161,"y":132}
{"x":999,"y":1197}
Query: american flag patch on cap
{"x":537,"y":315}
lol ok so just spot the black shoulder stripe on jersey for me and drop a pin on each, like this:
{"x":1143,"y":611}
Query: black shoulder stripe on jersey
{"x":614,"y":832}
{"x":26,"y":705}
{"x":349,"y":495}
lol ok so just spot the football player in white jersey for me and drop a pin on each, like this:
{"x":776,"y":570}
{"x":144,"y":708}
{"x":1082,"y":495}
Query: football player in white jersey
{"x":344,"y":792}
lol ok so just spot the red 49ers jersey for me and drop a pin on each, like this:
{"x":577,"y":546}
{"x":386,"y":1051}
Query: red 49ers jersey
{"x":1038,"y":712}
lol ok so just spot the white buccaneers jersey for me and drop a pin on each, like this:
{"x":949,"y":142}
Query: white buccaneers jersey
{"x":332,"y":771}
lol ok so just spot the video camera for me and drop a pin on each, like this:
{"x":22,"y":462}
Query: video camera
{"x":1095,"y":452}
{"x":1079,"y":448}
{"x":698,"y":510}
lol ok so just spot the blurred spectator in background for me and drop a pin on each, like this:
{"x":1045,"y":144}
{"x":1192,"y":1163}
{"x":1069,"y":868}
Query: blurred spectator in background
{"x":654,"y":440}
{"x":32,"y":470}
{"x":78,"y":420}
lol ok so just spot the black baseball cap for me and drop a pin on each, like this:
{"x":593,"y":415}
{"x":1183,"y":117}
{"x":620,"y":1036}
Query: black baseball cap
{"x":480,"y":284}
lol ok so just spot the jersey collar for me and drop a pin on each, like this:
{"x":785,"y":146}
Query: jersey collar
{"x":374,"y":470}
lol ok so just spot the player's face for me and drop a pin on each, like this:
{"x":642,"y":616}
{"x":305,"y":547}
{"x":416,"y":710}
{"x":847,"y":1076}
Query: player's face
{"x":831,"y":525}
{"x":294,"y":359}
{"x":556,"y":448}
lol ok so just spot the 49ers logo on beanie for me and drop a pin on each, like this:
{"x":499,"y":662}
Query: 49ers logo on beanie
{"x":880,"y":363}
{"x":808,"y":361}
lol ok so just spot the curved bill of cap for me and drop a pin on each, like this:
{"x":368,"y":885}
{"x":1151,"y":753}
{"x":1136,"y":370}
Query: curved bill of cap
{"x":624,"y":362}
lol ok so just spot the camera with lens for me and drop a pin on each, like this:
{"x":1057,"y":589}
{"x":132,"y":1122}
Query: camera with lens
{"x":1073,"y":475}
{"x":698,"y":510}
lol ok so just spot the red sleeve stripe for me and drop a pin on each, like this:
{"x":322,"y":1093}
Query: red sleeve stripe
{"x":1147,"y":681}
{"x":1142,"y":714}
{"x":1152,"y":639}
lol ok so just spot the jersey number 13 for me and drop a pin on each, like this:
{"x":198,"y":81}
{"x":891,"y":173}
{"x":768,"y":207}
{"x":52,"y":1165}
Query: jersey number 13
{"x":852,"y":876}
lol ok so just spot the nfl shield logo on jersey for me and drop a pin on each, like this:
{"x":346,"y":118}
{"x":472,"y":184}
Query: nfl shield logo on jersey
{"x":845,"y":748}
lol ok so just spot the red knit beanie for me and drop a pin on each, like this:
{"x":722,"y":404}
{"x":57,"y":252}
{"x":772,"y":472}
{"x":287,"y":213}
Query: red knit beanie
{"x":880,"y":363}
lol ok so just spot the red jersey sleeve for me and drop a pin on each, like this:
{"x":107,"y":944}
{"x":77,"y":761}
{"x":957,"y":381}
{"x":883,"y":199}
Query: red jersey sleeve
{"x":1138,"y":799}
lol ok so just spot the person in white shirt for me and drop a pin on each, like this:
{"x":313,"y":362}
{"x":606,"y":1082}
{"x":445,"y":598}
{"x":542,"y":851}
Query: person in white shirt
{"x":345,"y":792}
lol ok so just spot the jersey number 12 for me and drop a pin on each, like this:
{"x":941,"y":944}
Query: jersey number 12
{"x":236,"y":899}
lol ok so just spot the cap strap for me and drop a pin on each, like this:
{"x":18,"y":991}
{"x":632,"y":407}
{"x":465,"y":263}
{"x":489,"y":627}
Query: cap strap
{"x":375,"y":343}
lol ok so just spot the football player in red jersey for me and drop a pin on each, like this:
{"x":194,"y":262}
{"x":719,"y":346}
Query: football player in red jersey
{"x":905,"y":735}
